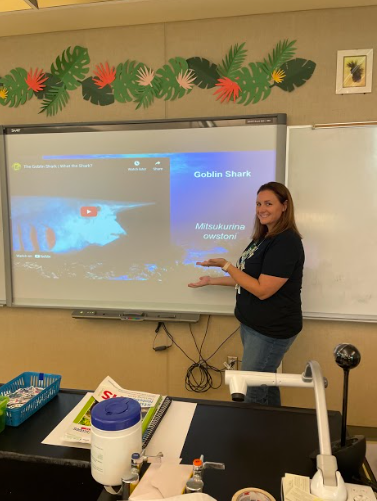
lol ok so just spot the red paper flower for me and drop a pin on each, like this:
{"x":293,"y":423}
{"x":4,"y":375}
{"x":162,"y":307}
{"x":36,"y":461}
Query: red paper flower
{"x":226,"y":89}
{"x":105,"y":75}
{"x":35,"y":81}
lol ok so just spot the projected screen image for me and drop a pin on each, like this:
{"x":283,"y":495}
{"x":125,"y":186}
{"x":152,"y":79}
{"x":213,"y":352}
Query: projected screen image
{"x":97,"y":236}
{"x":125,"y":230}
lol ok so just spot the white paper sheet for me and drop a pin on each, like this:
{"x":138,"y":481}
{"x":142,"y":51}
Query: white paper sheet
{"x":171,"y":433}
{"x":55,"y":437}
{"x":169,"y":437}
{"x":193,"y":497}
{"x":162,"y":481}
{"x":371,"y":456}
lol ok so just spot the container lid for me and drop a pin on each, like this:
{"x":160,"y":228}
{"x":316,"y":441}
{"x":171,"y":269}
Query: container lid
{"x":116,"y":414}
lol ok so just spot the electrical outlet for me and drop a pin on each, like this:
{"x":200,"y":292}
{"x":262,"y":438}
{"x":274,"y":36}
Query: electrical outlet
{"x":232,"y":361}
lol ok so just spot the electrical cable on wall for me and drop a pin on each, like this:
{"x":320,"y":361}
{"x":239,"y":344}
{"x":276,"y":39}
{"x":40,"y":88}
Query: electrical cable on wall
{"x":161,"y":347}
{"x":198,"y":376}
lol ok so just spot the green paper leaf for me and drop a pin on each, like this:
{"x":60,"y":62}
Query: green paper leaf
{"x":55,"y":101}
{"x":233,"y":61}
{"x":283,"y":52}
{"x":91,"y":92}
{"x":254,"y":83}
{"x":125,"y":85}
{"x":297,"y":72}
{"x":205,"y":71}
{"x":71,"y":67}
{"x":170,"y":88}
{"x":18,"y":90}
{"x":52,"y":81}
{"x":147,"y":93}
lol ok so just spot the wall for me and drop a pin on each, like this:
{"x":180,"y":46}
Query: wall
{"x":85,"y":351}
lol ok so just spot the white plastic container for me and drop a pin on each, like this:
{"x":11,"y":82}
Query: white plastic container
{"x":116,"y":435}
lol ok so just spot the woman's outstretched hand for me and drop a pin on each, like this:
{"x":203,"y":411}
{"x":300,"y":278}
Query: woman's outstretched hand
{"x":217,"y":262}
{"x":203,"y":281}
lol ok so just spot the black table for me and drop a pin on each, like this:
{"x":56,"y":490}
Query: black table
{"x":257,"y":444}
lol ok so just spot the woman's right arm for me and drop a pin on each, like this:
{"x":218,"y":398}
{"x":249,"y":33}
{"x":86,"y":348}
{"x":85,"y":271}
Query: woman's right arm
{"x":203,"y":281}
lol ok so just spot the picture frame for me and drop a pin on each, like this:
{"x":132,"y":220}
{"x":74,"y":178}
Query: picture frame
{"x":354,"y":71}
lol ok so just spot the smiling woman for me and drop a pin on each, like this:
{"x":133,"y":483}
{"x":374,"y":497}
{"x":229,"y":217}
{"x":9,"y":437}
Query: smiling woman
{"x":268,"y":278}
{"x":270,"y":208}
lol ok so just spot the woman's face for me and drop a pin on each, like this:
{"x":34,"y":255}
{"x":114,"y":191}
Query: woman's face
{"x":269,"y":208}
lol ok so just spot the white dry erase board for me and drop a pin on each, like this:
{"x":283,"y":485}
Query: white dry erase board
{"x":2,"y":264}
{"x":332,"y":175}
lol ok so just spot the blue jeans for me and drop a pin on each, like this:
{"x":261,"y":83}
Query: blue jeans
{"x":262,"y":354}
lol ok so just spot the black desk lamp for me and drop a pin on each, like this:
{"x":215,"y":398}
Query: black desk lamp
{"x":349,"y":451}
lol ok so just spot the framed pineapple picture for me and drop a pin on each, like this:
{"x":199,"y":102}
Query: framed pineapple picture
{"x":354,"y":71}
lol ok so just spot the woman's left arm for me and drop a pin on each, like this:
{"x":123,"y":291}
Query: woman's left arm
{"x":262,"y":287}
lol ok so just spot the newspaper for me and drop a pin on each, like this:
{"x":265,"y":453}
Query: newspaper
{"x":80,"y":429}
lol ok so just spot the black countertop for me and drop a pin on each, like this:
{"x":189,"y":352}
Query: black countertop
{"x":257,"y":444}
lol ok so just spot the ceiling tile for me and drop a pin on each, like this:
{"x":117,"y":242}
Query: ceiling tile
{"x":45,"y":4}
{"x":13,"y":5}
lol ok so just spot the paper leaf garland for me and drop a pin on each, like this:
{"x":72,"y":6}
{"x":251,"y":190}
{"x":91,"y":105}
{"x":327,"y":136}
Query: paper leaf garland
{"x":71,"y":67}
{"x":297,"y":72}
{"x":125,"y":85}
{"x":102,"y":96}
{"x":150,"y":87}
{"x":171,"y":76}
{"x":35,"y":81}
{"x":50,"y":82}
{"x":105,"y":75}
{"x":56,"y":99}
{"x":227,"y":89}
{"x":18,"y":90}
{"x":206,"y":73}
{"x":233,"y":61}
{"x":255,"y":84}
{"x":283,"y":52}
{"x":133,"y":81}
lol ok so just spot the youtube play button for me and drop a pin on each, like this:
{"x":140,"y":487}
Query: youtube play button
{"x":88,"y":211}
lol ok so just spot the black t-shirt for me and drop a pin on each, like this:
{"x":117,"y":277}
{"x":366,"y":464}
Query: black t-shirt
{"x":280,"y":315}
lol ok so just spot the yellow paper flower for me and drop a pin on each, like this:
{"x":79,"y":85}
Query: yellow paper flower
{"x":3,"y":92}
{"x":278,"y":75}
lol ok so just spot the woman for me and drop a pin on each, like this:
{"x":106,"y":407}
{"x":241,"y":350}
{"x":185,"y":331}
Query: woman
{"x":268,"y":279}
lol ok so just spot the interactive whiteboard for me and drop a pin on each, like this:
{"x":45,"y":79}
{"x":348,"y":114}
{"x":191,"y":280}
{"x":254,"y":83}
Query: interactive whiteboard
{"x":115,"y":216}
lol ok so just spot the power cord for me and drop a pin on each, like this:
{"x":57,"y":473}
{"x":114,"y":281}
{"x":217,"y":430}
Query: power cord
{"x":364,"y":480}
{"x":198,"y":376}
{"x":162,"y":347}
